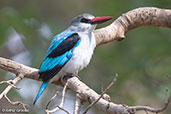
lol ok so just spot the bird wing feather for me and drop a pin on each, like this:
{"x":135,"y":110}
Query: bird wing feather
{"x":59,"y":53}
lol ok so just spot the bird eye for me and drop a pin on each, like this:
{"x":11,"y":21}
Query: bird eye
{"x":84,"y":20}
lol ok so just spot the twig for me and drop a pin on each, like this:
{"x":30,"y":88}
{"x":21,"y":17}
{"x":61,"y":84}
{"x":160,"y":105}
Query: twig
{"x":77,"y":106}
{"x":47,"y":106}
{"x":10,"y":86}
{"x":10,"y":82}
{"x":108,"y":87}
{"x":62,"y":101}
{"x":149,"y":109}
{"x":146,"y":112}
{"x":16,"y":102}
{"x":63,"y":109}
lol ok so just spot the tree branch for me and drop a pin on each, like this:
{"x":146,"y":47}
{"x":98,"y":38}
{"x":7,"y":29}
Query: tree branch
{"x":11,"y":85}
{"x":133,"y":109}
{"x":108,"y":87}
{"x":77,"y":107}
{"x":61,"y":104}
{"x":74,"y":84}
{"x":16,"y":103}
{"x":47,"y":106}
{"x":147,"y":16}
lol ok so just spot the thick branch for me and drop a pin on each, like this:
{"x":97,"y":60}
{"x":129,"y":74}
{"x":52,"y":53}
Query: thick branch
{"x":74,"y":84}
{"x":91,"y":96}
{"x":17,"y":68}
{"x":138,"y":17}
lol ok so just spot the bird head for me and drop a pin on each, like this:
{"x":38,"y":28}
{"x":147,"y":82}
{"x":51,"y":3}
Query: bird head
{"x":87,"y":22}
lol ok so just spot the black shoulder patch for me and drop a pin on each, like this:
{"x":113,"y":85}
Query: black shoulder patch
{"x":66,"y":45}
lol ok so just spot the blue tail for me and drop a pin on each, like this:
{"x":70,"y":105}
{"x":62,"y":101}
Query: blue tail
{"x":42,"y":88}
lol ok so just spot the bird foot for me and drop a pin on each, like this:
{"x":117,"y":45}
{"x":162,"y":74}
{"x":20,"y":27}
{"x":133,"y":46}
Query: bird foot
{"x":70,"y":75}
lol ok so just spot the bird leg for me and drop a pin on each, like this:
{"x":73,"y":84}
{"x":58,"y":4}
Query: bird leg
{"x":70,"y":75}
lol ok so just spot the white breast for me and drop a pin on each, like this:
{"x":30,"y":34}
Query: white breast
{"x":82,"y":54}
{"x":81,"y":57}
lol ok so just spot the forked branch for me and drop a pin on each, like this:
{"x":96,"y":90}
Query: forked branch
{"x":108,"y":87}
{"x":61,"y":104}
{"x":11,"y":85}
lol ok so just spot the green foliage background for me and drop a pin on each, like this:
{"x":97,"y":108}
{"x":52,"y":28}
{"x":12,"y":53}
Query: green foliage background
{"x":142,"y":60}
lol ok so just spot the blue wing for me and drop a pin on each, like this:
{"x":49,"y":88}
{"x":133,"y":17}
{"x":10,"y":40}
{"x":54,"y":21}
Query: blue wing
{"x":59,"y":53}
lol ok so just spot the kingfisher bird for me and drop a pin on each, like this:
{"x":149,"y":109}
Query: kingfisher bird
{"x":70,"y":51}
